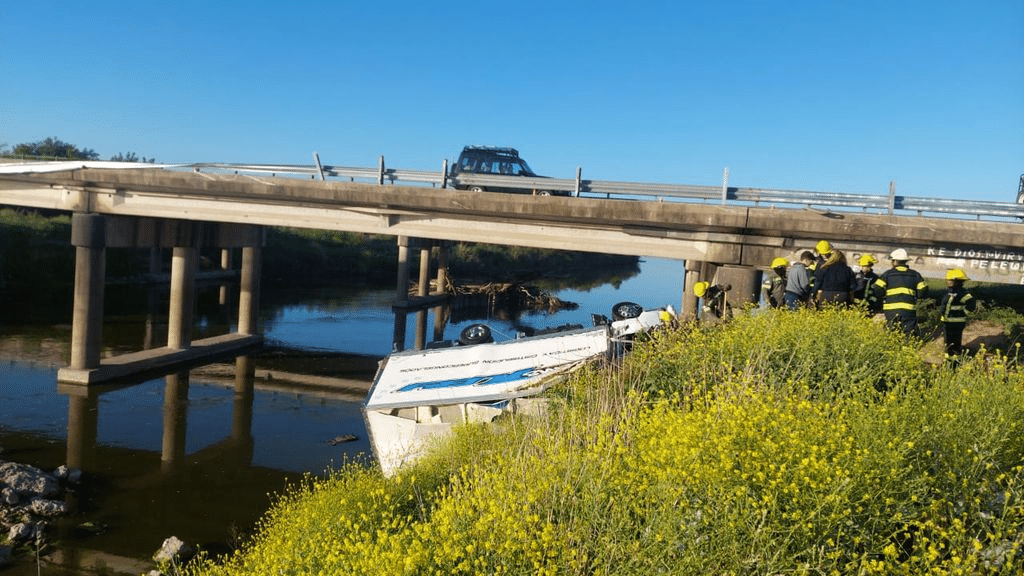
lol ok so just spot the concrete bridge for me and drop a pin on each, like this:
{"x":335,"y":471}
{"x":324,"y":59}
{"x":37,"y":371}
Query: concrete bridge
{"x":187,"y":210}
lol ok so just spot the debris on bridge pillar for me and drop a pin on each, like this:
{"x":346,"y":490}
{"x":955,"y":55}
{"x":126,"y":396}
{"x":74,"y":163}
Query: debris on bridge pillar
{"x":182,"y":305}
{"x":88,"y":236}
{"x":745,"y":282}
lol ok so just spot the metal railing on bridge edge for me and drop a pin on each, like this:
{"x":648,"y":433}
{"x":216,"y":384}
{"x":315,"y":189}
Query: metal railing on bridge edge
{"x":724,"y":194}
{"x":890,"y":203}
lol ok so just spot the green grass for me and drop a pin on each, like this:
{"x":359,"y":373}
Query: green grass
{"x":806,"y":443}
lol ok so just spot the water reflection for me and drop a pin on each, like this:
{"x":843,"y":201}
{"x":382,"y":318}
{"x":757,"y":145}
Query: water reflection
{"x":195,"y":453}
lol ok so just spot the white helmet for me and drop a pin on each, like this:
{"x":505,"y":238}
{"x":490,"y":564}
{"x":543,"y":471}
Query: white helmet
{"x":899,"y":254}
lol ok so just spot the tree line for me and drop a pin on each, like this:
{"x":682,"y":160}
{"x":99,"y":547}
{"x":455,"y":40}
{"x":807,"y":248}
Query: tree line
{"x":56,"y":149}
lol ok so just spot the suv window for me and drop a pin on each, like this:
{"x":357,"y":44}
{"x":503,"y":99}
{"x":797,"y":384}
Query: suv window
{"x":486,"y":160}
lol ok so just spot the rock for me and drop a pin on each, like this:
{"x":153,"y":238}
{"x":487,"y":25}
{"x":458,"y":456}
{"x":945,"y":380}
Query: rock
{"x":72,"y":475}
{"x":22,"y":532}
{"x":9,"y":497}
{"x":49,"y":508}
{"x":28,"y":480}
{"x":174,"y":550}
{"x":342,"y":439}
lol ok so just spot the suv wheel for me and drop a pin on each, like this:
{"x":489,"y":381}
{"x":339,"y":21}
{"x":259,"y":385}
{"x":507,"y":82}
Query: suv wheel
{"x":475,"y":334}
{"x":626,"y":310}
{"x":476,"y":189}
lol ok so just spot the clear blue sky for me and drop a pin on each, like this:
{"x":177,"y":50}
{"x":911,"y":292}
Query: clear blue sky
{"x":809,"y":94}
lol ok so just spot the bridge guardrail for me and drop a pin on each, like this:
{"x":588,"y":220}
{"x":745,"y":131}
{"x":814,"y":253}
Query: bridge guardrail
{"x":891,"y":203}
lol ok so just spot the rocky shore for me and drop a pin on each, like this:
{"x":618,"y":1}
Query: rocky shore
{"x":30,"y":501}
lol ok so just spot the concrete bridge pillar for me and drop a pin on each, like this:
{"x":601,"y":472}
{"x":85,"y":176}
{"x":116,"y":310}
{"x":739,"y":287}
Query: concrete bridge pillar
{"x":248,"y":295}
{"x":745,"y":281}
{"x":688,"y":307}
{"x":442,"y":288}
{"x":88,"y":236}
{"x":402,"y":287}
{"x":182,"y":307}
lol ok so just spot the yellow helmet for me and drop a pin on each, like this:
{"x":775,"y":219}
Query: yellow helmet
{"x":780,"y":262}
{"x":867,"y":260}
{"x":956,"y":274}
{"x":700,"y":288}
{"x":823,"y":247}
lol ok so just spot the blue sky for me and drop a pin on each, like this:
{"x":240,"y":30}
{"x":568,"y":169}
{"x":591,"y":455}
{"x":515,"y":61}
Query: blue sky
{"x":809,"y":94}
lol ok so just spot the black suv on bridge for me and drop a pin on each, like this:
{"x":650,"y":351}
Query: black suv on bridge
{"x":499,"y":162}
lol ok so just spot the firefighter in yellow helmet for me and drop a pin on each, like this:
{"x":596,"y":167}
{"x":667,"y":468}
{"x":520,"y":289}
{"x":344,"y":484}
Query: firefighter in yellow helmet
{"x":824,"y":252}
{"x":956,"y":303}
{"x":715,"y":302}
{"x":774,"y":285}
{"x":863,"y":280}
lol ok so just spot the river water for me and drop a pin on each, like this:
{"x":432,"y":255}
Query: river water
{"x":199,"y":453}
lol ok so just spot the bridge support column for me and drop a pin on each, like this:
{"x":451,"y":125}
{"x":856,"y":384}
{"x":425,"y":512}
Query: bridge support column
{"x":249,"y":295}
{"x":423,"y":290}
{"x":402,"y":288}
{"x":745,"y":281}
{"x":182,"y":306}
{"x":88,"y":236}
{"x":442,"y":288}
{"x":688,"y":307}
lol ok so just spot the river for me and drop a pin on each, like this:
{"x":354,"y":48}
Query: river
{"x":191,"y":454}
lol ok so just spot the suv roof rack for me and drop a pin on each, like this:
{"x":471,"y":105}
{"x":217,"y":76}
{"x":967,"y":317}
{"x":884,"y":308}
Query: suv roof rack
{"x":497,"y":149}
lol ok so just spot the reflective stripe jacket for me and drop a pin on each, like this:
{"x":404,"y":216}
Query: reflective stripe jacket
{"x":898,"y":288}
{"x":956,"y":304}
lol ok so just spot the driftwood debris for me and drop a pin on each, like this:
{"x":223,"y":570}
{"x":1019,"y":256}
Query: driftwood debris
{"x":500,"y":296}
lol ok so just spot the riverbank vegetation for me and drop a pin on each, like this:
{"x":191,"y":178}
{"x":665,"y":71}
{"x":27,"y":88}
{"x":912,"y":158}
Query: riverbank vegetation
{"x":805,"y":443}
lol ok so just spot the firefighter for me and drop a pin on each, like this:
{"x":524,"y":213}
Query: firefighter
{"x":956,"y":303}
{"x":898,"y":289}
{"x":863,"y":280}
{"x":715,"y":301}
{"x":774,"y":287}
{"x":824,"y":250}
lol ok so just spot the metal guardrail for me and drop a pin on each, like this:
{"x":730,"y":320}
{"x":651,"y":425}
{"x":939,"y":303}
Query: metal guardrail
{"x":887,"y":203}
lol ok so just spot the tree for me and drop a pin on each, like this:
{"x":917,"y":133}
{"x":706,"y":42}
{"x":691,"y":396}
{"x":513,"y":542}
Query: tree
{"x":130,"y":157}
{"x":55,"y":148}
